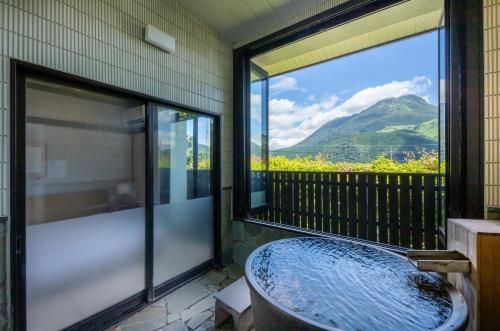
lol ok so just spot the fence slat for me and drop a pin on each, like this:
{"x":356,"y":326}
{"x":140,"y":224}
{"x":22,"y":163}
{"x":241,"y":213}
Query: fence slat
{"x":343,"y":204}
{"x":326,"y":185}
{"x":318,"y":206}
{"x":284,"y":196}
{"x":362,"y":207}
{"x":430,"y":212}
{"x":353,"y":226}
{"x":416,"y":211}
{"x":289,"y":198}
{"x":296,"y":196}
{"x":278,"y":201}
{"x":310,"y":201}
{"x":372,"y":208}
{"x":404,"y":198}
{"x":271,"y":196}
{"x":393,"y":210}
{"x":334,"y":202}
{"x":382,"y":208}
{"x":303,"y":200}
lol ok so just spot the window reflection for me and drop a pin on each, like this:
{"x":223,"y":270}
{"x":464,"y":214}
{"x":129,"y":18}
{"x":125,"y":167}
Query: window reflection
{"x":258,"y":136}
{"x":184,"y":156}
{"x":183,"y":214}
{"x":85,"y":197}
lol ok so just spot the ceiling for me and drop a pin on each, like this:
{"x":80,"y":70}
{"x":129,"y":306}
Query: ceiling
{"x":400,"y":21}
{"x":236,"y":19}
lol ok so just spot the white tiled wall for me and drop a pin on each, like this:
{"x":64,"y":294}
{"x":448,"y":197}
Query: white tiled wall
{"x":103,"y":40}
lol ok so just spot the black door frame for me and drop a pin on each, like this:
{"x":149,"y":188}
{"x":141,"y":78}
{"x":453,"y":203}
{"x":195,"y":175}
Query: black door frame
{"x":464,"y":98}
{"x":19,"y":71}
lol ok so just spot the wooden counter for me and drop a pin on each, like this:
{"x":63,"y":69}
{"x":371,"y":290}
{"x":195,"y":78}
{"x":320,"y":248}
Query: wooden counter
{"x":479,"y":240}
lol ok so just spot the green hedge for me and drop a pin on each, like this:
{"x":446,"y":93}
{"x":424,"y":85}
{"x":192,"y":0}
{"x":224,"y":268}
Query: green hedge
{"x":427,"y":163}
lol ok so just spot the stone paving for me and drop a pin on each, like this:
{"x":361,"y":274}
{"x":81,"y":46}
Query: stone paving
{"x":190,"y":307}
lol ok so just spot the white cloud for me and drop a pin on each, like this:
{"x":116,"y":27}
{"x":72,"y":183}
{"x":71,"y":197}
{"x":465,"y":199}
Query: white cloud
{"x":255,"y":104}
{"x":311,"y":97}
{"x":290,"y":122}
{"x":284,"y":84}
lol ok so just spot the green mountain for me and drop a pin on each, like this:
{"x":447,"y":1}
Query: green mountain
{"x":391,"y":127}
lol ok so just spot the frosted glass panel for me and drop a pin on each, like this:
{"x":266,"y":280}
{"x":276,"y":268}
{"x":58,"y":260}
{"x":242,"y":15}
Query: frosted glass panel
{"x":183,"y":223}
{"x":183,"y":237}
{"x":85,"y":213}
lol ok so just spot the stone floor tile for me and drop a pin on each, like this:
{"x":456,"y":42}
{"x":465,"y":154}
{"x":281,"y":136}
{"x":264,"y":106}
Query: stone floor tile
{"x":148,"y":319}
{"x":175,"y":326}
{"x":213,"y":277}
{"x":193,"y":302}
{"x":159,"y":303}
{"x":186,"y":296}
{"x":200,"y":306}
{"x":173,"y":317}
{"x":214,"y":288}
{"x":199,"y":319}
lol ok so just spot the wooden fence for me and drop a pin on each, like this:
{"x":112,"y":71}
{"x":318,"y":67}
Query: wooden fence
{"x":392,"y":208}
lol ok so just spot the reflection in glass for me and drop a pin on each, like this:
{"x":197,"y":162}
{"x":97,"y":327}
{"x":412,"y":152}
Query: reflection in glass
{"x":258,"y":135}
{"x":85,"y":192}
{"x":184,"y":200}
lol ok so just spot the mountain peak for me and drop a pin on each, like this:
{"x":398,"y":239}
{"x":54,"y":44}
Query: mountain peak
{"x":395,"y":122}
{"x":412,"y":98}
{"x":403,"y":99}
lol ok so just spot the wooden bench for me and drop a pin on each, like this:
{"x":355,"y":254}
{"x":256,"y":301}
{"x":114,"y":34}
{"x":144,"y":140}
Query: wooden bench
{"x":234,"y":301}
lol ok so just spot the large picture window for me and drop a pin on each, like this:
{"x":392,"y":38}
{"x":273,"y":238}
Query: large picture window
{"x":345,"y":126}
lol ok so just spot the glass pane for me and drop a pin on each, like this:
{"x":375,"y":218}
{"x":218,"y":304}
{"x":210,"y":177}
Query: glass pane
{"x":442,"y":126}
{"x":184,"y":199}
{"x":85,"y":192}
{"x":258,"y":136}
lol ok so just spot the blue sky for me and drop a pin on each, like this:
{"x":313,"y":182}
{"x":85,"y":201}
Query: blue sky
{"x":304,"y":100}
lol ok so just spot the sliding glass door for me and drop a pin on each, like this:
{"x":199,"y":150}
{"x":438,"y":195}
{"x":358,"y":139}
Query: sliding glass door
{"x":184,"y":194}
{"x":85,"y":198}
{"x":116,"y":201}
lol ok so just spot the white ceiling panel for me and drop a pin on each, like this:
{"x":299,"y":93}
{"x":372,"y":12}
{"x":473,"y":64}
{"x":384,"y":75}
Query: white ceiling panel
{"x":237,"y":19}
{"x":397,"y":22}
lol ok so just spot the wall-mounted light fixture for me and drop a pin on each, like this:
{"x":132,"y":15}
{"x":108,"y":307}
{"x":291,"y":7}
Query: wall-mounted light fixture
{"x":159,"y":38}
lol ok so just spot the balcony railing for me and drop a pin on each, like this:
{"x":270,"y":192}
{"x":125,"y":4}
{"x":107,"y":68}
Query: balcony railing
{"x":401,"y":209}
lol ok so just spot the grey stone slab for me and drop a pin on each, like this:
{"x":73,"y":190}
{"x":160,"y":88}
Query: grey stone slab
{"x":213,"y":277}
{"x":175,"y":326}
{"x":236,"y":296}
{"x":201,"y":306}
{"x":148,"y":319}
{"x":199,"y":319}
{"x":186,"y":296}
{"x":173,"y":317}
{"x":206,"y":326}
{"x":159,"y":303}
{"x":214,"y":288}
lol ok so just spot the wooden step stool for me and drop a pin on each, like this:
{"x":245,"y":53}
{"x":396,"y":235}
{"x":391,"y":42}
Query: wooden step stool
{"x":234,"y":301}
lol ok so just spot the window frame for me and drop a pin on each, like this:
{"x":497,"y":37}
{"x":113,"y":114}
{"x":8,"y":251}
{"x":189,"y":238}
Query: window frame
{"x":464,"y":99}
